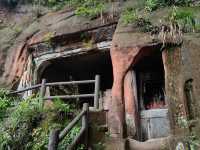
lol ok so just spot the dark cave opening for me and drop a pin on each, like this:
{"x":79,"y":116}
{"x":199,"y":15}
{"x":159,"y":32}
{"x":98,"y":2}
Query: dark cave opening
{"x":151,"y":81}
{"x":80,"y":67}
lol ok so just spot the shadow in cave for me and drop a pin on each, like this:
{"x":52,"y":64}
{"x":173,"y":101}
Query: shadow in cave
{"x":153,"y":109}
{"x":150,"y":81}
{"x":80,"y":67}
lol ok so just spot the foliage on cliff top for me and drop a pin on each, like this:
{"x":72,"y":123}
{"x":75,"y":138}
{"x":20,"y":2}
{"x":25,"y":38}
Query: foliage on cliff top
{"x":130,"y":15}
{"x":90,"y":8}
{"x":152,"y":5}
{"x":185,"y":19}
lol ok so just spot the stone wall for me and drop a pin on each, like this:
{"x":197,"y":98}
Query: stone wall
{"x":174,"y":86}
{"x":191,"y":67}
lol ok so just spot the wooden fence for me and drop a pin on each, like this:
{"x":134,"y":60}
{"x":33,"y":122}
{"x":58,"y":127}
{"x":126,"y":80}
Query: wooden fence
{"x":56,"y":136}
{"x":44,"y":85}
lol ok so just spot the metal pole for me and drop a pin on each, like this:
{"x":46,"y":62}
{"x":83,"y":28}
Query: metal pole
{"x":96,"y":92}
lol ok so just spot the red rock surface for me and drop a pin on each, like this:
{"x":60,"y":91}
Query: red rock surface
{"x":127,"y":48}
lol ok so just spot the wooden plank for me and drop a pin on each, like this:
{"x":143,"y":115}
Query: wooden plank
{"x":54,"y":139}
{"x":71,"y":125}
{"x":96,"y":91}
{"x":76,"y":140}
{"x":70,"y":83}
{"x":43,"y":88}
{"x":85,"y":125}
{"x":42,"y":92}
{"x":84,"y":129}
{"x":26,"y":89}
{"x":53,"y":84}
{"x":69,"y":96}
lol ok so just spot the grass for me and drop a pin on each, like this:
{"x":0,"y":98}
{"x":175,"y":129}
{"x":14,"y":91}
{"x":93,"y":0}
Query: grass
{"x":129,"y":16}
{"x":152,"y":5}
{"x":90,"y":8}
{"x":185,"y":19}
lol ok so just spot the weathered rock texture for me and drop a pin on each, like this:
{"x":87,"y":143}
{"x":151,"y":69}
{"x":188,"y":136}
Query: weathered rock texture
{"x":61,"y":31}
{"x":60,"y":28}
{"x":128,"y":47}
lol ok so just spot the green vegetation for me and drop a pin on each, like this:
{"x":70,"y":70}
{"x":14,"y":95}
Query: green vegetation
{"x":90,"y":8}
{"x":86,"y":8}
{"x":27,"y":125}
{"x":99,"y":146}
{"x":184,"y":19}
{"x":193,"y":140}
{"x":21,"y":119}
{"x":68,"y":139}
{"x":152,"y":5}
{"x":180,"y":18}
{"x":5,"y":103}
{"x":129,"y":16}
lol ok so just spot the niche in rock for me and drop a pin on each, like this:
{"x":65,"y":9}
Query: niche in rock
{"x":80,"y":67}
{"x":153,"y":111}
{"x":150,"y":82}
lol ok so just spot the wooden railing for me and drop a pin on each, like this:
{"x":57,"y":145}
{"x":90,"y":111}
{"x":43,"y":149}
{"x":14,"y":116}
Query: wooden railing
{"x":43,"y":86}
{"x":56,"y":136}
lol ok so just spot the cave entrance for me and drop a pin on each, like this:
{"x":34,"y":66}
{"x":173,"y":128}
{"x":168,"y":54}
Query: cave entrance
{"x":151,"y":82}
{"x":80,"y":67}
{"x":153,"y":111}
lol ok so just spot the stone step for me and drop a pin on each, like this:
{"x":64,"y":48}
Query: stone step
{"x":131,"y":144}
{"x":115,"y":144}
{"x":153,"y":144}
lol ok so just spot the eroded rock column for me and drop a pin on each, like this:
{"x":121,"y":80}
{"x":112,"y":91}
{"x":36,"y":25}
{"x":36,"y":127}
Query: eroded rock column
{"x":130,"y":98}
{"x":121,"y":60}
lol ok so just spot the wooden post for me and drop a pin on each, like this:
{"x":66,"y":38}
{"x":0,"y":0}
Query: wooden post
{"x":85,"y":123}
{"x":42,"y":91}
{"x":96,"y":93}
{"x":54,"y":139}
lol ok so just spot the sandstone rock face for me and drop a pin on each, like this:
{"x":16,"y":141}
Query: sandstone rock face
{"x":127,"y":48}
{"x":22,"y":30}
{"x":13,"y":43}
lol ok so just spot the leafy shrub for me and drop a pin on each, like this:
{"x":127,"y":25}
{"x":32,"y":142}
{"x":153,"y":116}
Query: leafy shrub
{"x":15,"y":130}
{"x":184,"y":19}
{"x":60,"y":106}
{"x":69,"y":138}
{"x":90,"y":8}
{"x":179,"y":2}
{"x":6,"y":102}
{"x":28,"y":125}
{"x":152,"y":5}
{"x":129,"y":16}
